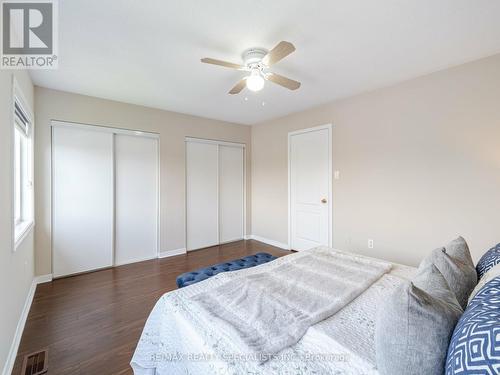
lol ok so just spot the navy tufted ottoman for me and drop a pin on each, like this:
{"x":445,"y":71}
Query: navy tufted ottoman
{"x":189,"y":278}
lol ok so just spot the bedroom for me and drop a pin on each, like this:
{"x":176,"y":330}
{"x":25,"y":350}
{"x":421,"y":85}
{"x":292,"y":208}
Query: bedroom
{"x":370,"y":128}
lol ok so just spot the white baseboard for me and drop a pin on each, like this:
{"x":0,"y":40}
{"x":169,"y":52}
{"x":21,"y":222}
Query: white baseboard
{"x":281,"y":245}
{"x":43,"y":278}
{"x":171,"y":253}
{"x":134,"y":261}
{"x":11,"y":358}
{"x":9,"y":365}
{"x":236,"y":239}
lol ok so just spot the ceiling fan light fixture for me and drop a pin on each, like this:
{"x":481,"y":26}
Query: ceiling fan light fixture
{"x":257,"y":62}
{"x":255,"y":81}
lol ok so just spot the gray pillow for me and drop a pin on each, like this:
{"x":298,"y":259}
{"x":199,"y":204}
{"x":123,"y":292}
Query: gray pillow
{"x":458,"y":249}
{"x":455,"y":263}
{"x":414,"y":326}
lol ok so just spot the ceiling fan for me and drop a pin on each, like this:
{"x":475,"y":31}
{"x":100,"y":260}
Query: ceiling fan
{"x":257,"y":61}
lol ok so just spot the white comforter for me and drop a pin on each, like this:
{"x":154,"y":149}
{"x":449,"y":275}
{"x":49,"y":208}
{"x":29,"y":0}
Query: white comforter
{"x":266,"y":312}
{"x":178,"y":340}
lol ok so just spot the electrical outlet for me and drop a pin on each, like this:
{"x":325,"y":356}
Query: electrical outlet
{"x":370,"y":244}
{"x":336,"y":175}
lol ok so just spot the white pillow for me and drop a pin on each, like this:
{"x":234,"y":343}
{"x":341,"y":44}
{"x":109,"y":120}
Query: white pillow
{"x":488,"y":276}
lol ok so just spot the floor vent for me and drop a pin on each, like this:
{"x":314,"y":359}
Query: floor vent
{"x":36,"y":363}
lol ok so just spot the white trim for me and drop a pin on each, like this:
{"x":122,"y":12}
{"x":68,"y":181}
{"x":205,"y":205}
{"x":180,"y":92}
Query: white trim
{"x":232,"y":240}
{"x":244,"y":192}
{"x":135,"y":260}
{"x":171,"y":253}
{"x":204,"y":247}
{"x":19,"y":97}
{"x":43,"y":278}
{"x":312,"y":129}
{"x":11,"y":358}
{"x":27,"y":228}
{"x":267,"y":241}
{"x":113,"y":204}
{"x":51,"y":190}
{"x":158,"y":198}
{"x":214,"y":141}
{"x":185,"y":198}
{"x":330,"y":179}
{"x":104,"y":129}
{"x":218,"y":195}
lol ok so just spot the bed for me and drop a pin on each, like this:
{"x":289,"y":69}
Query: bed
{"x":177,"y":340}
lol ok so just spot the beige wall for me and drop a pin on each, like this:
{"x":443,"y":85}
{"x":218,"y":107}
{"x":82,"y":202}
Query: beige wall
{"x":419,"y":164}
{"x":16,"y":268}
{"x":172,"y":127}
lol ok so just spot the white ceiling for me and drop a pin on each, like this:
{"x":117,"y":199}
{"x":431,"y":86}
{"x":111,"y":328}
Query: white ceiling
{"x":148,"y":52}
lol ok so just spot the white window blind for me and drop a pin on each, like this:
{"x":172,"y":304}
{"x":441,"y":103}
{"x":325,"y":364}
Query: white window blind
{"x":23,"y":167}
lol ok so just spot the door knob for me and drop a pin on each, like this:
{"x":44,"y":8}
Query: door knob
{"x":323,"y":200}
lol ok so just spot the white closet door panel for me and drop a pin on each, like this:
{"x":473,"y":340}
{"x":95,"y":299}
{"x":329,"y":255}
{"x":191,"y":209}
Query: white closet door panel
{"x":82,"y":200}
{"x":231,"y":193}
{"x":201,"y":195}
{"x":136,"y":199}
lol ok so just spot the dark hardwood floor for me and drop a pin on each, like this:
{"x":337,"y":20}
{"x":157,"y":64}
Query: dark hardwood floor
{"x":91,"y":322}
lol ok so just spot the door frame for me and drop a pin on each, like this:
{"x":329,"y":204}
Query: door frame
{"x":219,"y":143}
{"x":115,"y":131}
{"x":328,"y":127}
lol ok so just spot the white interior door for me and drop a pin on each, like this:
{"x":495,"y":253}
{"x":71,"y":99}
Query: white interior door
{"x":136,"y":198}
{"x":231,"y":193}
{"x":202,"y":195}
{"x":310,"y":187}
{"x":82,"y":200}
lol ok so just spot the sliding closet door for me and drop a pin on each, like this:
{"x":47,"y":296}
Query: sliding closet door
{"x":231,"y":193}
{"x":201,"y":195}
{"x":82,"y":200}
{"x":136,"y":199}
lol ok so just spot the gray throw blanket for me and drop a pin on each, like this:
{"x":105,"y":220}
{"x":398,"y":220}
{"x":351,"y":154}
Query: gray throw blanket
{"x":266,"y":312}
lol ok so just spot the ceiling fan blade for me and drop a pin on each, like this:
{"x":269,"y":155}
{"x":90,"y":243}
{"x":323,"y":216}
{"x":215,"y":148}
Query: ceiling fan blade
{"x":282,"y":50}
{"x":238,"y":87}
{"x":226,"y":64}
{"x":283,"y":81}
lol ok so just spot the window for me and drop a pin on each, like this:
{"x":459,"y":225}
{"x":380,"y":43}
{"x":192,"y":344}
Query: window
{"x":23,"y":171}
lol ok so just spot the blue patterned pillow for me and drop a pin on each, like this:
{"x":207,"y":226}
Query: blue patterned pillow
{"x":490,"y":259}
{"x":475,"y":344}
